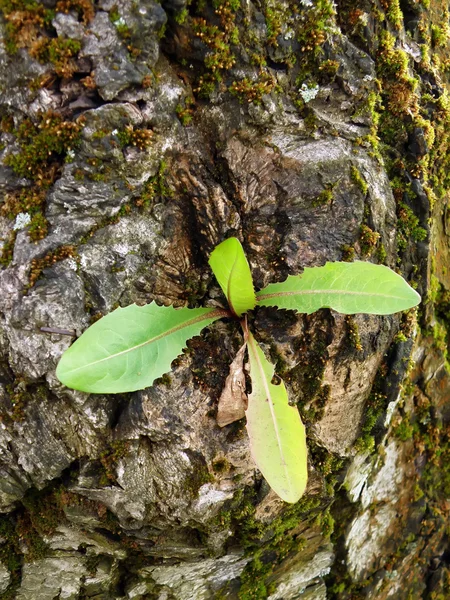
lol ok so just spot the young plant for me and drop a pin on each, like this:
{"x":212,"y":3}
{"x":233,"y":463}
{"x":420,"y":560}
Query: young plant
{"x":128,"y":349}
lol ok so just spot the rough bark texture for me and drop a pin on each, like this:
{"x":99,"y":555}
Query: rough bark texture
{"x":135,"y":136}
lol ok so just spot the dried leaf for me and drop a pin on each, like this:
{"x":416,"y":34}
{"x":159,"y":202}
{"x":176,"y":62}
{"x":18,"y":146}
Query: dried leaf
{"x":233,"y":400}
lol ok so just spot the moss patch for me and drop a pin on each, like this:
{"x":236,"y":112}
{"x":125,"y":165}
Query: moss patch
{"x":39,"y":264}
{"x":43,"y":147}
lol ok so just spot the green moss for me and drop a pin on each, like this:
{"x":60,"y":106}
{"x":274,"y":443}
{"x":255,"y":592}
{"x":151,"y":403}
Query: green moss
{"x":315,"y":26}
{"x":440,"y":336}
{"x":38,"y":227}
{"x":435,"y":480}
{"x":234,"y":36}
{"x":368,"y":240}
{"x":403,"y":431}
{"x":310,"y":120}
{"x":439,"y":35}
{"x":374,"y":408}
{"x":353,"y":333}
{"x":251,"y":91}
{"x":185,"y":112}
{"x":8,"y":249}
{"x":198,"y":477}
{"x":399,"y":337}
{"x":22,"y":531}
{"x":83,"y":8}
{"x":43,"y":510}
{"x":155,"y":187}
{"x":326,"y":463}
{"x":29,"y":25}
{"x":365,"y":443}
{"x":205,"y":87}
{"x":60,"y":52}
{"x":220,"y":58}
{"x":43,"y":144}
{"x":218,"y":38}
{"x":19,"y":394}
{"x":238,"y":516}
{"x":25,"y":22}
{"x":123,"y":31}
{"x":394,"y":13}
{"x":316,"y":410}
{"x":408,"y":227}
{"x":30,"y":200}
{"x":181,"y":16}
{"x":52,"y":257}
{"x":381,"y":254}
{"x":325,"y":521}
{"x":252,"y":580}
{"x":358,"y":179}
{"x":325,"y":197}
{"x":114,"y":14}
{"x":280,"y":538}
{"x":330,"y":68}
{"x":110,"y":457}
{"x":221,"y":465}
{"x":129,"y":136}
{"x":399,"y":88}
{"x":348,"y":253}
{"x":274,"y":20}
{"x":10,"y":554}
{"x":392,"y":61}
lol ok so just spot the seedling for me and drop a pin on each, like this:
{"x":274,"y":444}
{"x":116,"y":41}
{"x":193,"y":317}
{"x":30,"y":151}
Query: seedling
{"x":128,"y":349}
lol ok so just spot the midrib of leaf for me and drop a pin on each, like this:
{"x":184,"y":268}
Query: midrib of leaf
{"x":229,"y":284}
{"x":217,"y":312}
{"x":317,"y":292}
{"x":251,"y":342}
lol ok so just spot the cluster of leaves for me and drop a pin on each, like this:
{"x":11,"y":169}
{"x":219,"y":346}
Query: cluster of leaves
{"x":131,"y":347}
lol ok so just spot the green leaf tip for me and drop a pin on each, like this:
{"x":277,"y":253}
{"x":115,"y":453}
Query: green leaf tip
{"x":128,"y":349}
{"x":230,"y":266}
{"x":276,"y":432}
{"x":348,"y":288}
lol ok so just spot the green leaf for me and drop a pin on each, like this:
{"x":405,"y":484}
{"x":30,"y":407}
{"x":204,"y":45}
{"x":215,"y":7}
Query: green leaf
{"x":131,"y":347}
{"x":348,"y":288}
{"x":276,"y":432}
{"x":232,"y":271}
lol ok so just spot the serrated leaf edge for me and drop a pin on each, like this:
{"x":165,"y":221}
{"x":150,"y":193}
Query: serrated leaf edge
{"x":219,"y":312}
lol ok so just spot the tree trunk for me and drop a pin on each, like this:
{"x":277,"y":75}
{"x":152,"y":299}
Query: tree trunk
{"x":136,"y":136}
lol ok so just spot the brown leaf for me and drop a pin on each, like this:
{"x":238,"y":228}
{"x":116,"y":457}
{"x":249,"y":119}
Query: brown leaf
{"x":233,"y":400}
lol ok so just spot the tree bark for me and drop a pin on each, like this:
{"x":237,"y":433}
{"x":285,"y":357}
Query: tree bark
{"x":135,"y":137}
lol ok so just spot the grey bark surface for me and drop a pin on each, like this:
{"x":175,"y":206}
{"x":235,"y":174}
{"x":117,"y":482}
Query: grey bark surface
{"x":142,"y":496}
